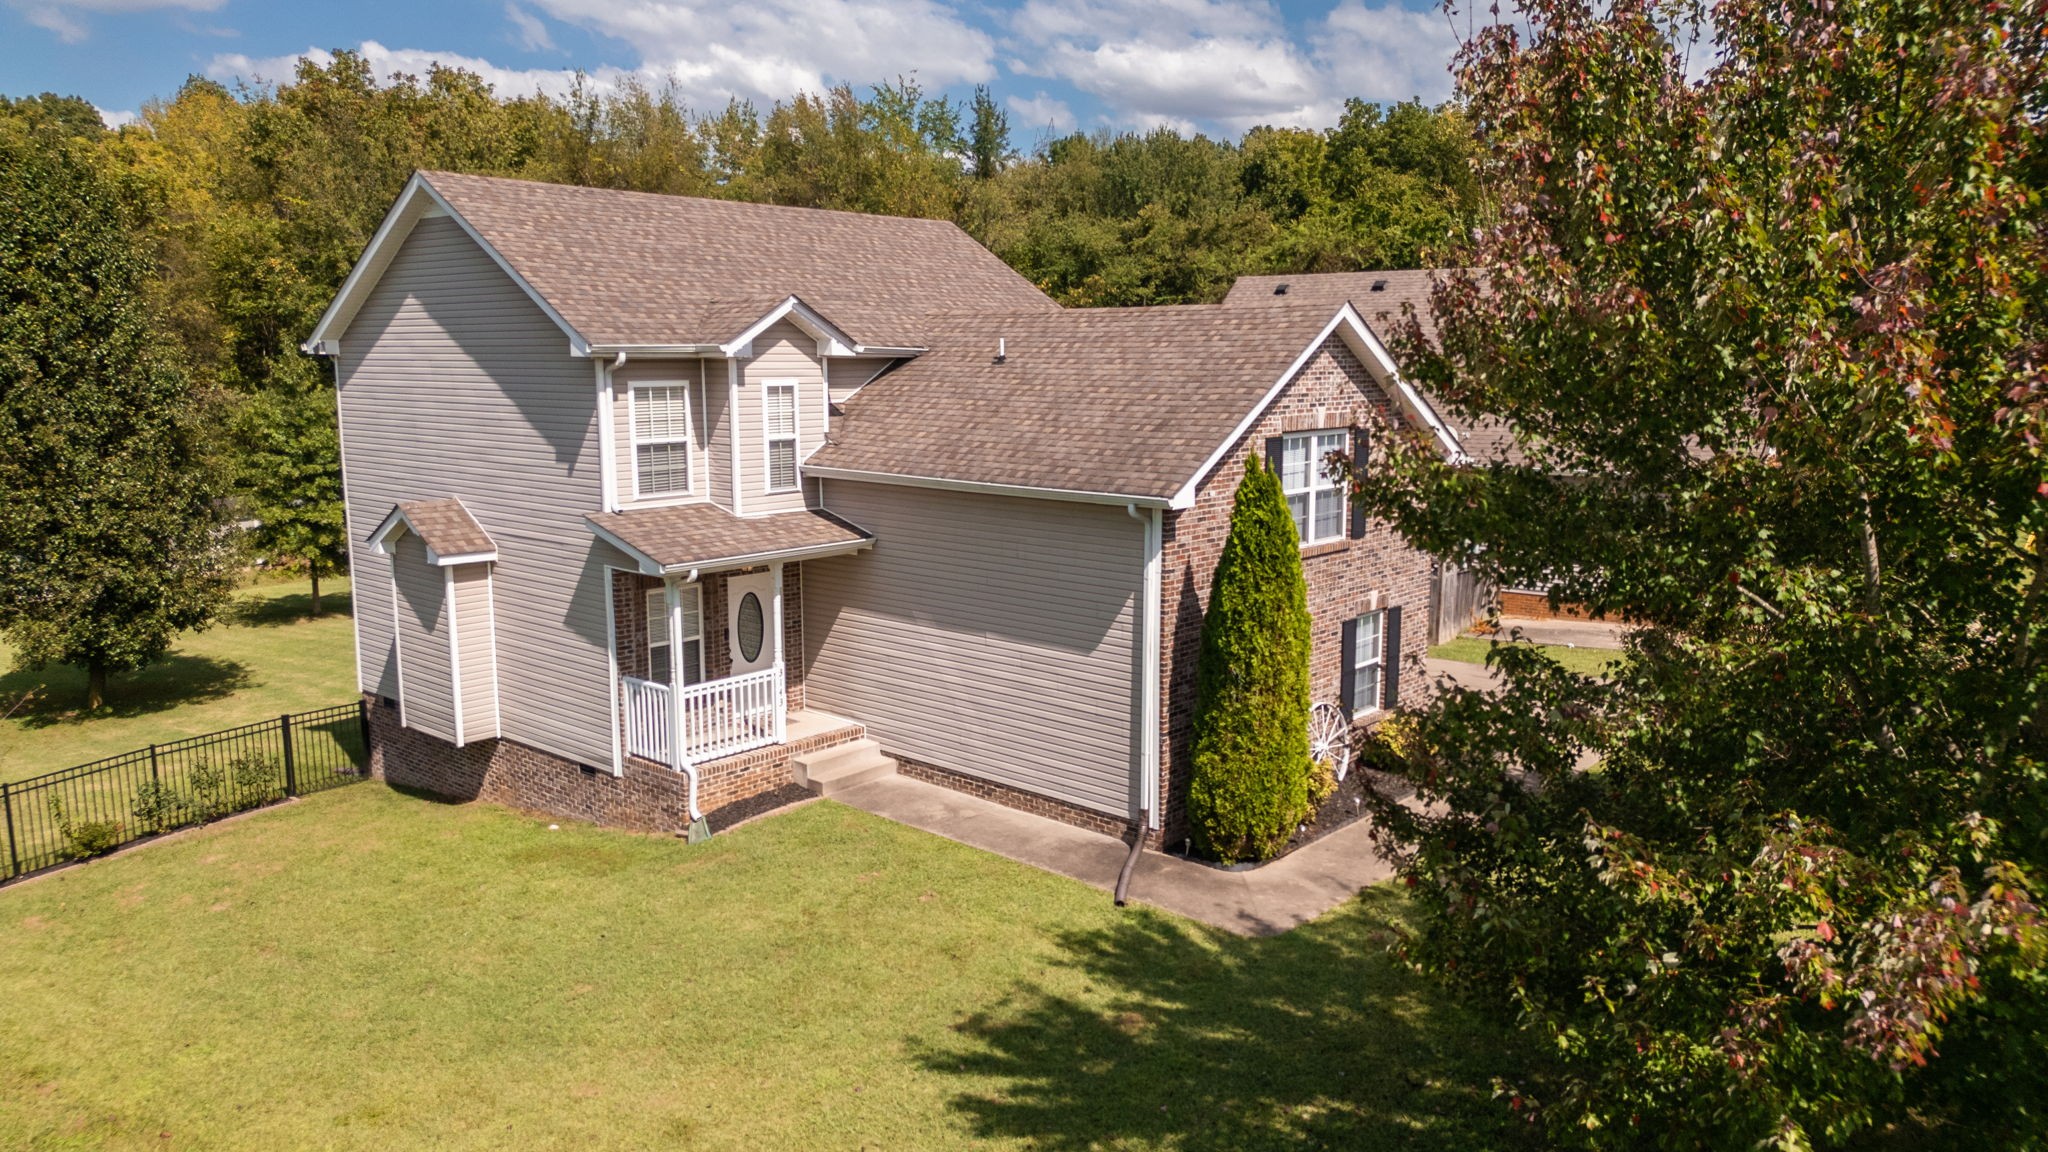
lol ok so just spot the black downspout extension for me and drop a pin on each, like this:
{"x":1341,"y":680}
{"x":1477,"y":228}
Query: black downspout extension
{"x":1123,"y":880}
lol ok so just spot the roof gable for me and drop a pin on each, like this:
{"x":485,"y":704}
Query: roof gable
{"x":635,"y":270}
{"x":1123,"y":404}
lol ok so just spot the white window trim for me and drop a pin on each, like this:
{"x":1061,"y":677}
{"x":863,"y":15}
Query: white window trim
{"x":655,"y":605}
{"x":687,"y":439}
{"x":1378,"y":661}
{"x":795,"y":437}
{"x":1331,"y":488}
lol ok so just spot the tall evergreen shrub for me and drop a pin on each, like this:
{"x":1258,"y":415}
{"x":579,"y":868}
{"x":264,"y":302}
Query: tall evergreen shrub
{"x":1251,"y":770}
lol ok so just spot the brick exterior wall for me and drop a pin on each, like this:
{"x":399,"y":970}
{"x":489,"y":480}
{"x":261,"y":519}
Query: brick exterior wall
{"x":1519,"y":602}
{"x":629,"y":621}
{"x":1345,"y":578}
{"x":1016,"y":798}
{"x":648,"y":796}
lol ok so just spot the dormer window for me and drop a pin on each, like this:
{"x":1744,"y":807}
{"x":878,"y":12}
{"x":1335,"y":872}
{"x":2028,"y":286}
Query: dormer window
{"x":661,"y":438}
{"x":779,"y":419}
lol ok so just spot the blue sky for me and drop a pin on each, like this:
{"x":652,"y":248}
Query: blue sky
{"x":1214,"y":65}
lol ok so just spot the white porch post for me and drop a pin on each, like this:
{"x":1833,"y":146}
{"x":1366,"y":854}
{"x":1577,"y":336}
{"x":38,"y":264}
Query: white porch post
{"x":678,"y":735}
{"x":781,"y":670}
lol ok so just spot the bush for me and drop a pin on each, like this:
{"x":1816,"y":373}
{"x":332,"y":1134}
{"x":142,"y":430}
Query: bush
{"x":1251,"y":759}
{"x":89,"y":838}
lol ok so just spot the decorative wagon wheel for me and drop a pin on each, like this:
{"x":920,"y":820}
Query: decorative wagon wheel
{"x":1329,"y":738}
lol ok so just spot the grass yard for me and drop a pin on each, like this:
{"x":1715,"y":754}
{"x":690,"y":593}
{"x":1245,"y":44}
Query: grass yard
{"x":1584,"y":661}
{"x":268,"y":658}
{"x":369,"y":970}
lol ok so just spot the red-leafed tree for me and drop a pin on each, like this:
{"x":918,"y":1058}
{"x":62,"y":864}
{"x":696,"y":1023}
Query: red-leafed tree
{"x":1774,"y":335}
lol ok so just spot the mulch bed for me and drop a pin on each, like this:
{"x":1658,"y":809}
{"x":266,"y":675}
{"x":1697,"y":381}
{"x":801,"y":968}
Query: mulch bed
{"x":739,"y":810}
{"x":1343,"y":807}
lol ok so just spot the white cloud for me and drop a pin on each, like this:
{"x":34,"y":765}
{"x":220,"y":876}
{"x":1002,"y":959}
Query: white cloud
{"x":533,"y":35}
{"x":113,"y":119}
{"x":1232,"y":63}
{"x":765,"y":50}
{"x":62,"y":16}
{"x":1039,"y":112}
{"x":385,"y":61}
{"x":1387,"y":52}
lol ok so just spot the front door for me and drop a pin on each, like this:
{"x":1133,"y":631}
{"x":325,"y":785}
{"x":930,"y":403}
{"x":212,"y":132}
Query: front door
{"x":750,"y":624}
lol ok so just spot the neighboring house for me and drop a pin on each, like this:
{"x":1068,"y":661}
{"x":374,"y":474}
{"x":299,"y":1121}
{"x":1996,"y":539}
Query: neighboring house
{"x":663,"y":503}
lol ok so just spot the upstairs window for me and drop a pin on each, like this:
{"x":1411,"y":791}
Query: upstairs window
{"x":661,"y":439}
{"x":779,"y":415}
{"x":1315,"y":491}
{"x":662,"y":650}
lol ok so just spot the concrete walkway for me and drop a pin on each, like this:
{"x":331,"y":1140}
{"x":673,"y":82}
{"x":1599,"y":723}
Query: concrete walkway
{"x":1264,"y":901}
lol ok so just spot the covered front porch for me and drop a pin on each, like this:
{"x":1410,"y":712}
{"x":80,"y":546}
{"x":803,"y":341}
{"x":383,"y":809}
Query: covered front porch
{"x":707,"y":631}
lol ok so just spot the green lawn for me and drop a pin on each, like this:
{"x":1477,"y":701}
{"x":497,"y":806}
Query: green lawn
{"x":1585,"y":661}
{"x":270,"y":658}
{"x":369,"y":970}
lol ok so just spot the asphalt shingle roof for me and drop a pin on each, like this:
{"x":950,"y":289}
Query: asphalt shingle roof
{"x":446,"y":527}
{"x":1483,"y":439}
{"x":706,"y":536}
{"x":637,"y":268}
{"x":1124,"y":401}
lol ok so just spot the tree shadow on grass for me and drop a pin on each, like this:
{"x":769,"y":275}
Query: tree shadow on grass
{"x":1314,"y":1039}
{"x":290,"y":608}
{"x":176,"y":680}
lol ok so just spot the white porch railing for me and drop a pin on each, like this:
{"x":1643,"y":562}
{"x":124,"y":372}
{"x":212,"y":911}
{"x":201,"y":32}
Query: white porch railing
{"x":649,"y":716}
{"x":719,"y":717}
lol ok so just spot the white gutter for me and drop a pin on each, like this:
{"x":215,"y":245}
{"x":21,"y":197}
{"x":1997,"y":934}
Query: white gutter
{"x":1024,"y":490}
{"x":1148,"y":652}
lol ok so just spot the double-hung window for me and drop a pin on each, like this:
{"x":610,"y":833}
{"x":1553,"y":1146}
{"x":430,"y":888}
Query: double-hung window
{"x":663,"y":650}
{"x":779,"y":415}
{"x":1315,"y":491}
{"x":1365,"y":679}
{"x":661,"y":439}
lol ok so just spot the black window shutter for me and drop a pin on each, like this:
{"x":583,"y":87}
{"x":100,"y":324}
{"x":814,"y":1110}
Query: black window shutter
{"x":1390,"y":653}
{"x":1273,"y":444}
{"x":1358,"y":460}
{"x":1347,"y":677}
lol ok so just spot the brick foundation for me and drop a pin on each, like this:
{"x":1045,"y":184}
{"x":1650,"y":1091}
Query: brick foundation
{"x":647,"y":796}
{"x":1017,"y":798}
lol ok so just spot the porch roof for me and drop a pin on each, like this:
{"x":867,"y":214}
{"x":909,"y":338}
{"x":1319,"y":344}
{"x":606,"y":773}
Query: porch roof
{"x":708,"y":538}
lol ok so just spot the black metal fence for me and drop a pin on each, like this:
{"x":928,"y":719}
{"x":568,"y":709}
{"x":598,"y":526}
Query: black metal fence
{"x":94,"y":808}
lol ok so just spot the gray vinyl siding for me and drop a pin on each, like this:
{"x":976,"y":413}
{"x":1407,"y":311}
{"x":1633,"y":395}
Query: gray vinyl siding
{"x":718,"y":430}
{"x":851,"y":373}
{"x":989,"y":635}
{"x":690,"y":372}
{"x":476,"y":646}
{"x":453,"y":383}
{"x":783,"y":352}
{"x":428,"y":686}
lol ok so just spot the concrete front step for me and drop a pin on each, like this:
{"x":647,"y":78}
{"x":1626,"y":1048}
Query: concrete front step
{"x":842,"y":766}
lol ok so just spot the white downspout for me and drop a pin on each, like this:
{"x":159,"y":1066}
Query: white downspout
{"x":1148,"y":652}
{"x":732,"y":420}
{"x":679,"y":756}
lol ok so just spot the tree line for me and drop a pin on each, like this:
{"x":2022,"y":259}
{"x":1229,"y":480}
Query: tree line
{"x":235,"y":214}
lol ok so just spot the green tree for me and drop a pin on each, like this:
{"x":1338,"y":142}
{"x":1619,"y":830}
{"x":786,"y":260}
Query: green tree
{"x":1251,"y":758}
{"x":1773,"y":340}
{"x":111,"y":534}
{"x":291,"y":479}
{"x":988,"y":138}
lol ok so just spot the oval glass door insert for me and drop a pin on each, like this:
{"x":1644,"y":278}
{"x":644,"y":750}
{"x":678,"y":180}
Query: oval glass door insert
{"x":750,"y":628}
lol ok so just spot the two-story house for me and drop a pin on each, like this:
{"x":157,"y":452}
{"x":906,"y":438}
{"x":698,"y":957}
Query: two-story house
{"x":663,"y":502}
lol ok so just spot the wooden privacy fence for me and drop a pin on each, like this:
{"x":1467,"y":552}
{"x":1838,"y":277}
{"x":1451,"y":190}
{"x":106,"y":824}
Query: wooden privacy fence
{"x":80,"y":812}
{"x":1459,"y":600}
